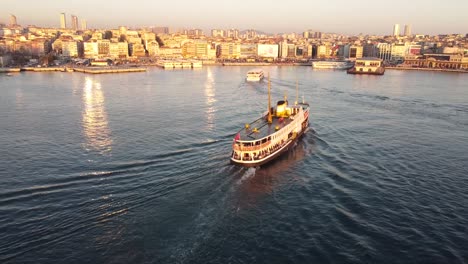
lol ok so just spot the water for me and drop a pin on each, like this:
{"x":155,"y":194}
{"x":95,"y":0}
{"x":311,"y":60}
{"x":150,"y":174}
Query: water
{"x":134,"y":168}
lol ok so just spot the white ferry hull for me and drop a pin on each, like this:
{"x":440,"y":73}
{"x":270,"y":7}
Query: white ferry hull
{"x":271,"y":157}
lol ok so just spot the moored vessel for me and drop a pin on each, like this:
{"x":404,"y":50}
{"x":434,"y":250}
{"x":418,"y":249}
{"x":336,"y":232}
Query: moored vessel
{"x":367,"y":66}
{"x":266,"y":138}
{"x":332,"y":64}
{"x":255,"y":75}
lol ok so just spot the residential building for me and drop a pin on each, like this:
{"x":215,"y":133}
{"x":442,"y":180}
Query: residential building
{"x":229,"y":50}
{"x":70,"y":48}
{"x":118,"y":50}
{"x":13,"y":21}
{"x":216,"y":33}
{"x":74,"y":20}
{"x":91,"y":50}
{"x":103,"y":48}
{"x":407,"y":30}
{"x":63,"y":21}
{"x":396,"y":30}
{"x":153,"y":48}
{"x":399,"y":51}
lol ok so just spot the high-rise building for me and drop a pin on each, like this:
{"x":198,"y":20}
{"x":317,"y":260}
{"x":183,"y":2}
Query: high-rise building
{"x":84,"y":25}
{"x":407,"y":30}
{"x":63,"y":21}
{"x":396,"y":30}
{"x":13,"y":20}
{"x":74,"y":20}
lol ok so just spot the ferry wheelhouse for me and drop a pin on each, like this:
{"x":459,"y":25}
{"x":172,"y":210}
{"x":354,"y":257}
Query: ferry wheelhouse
{"x":255,"y":75}
{"x":274,"y":133}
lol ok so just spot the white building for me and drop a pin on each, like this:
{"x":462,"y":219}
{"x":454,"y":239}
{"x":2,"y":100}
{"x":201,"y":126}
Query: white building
{"x":70,"y":49}
{"x":396,"y":30}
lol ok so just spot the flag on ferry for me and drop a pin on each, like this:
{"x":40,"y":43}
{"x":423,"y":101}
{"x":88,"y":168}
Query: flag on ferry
{"x":237,"y":137}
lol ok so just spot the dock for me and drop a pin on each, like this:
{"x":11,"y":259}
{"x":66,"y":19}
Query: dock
{"x":92,"y":70}
{"x":8,"y":70}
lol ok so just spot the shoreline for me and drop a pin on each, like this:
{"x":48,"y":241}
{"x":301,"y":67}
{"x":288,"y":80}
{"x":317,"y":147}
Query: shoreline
{"x":426,"y":69}
{"x":143,"y":68}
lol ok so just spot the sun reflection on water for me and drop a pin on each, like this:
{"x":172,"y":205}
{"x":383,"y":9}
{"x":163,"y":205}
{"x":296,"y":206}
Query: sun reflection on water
{"x":95,"y":124}
{"x":210,"y":99}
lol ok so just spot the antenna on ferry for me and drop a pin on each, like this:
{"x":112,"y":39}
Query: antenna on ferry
{"x":270,"y":118}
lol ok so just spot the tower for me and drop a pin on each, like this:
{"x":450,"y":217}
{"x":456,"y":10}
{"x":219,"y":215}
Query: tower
{"x":84,"y":25}
{"x":396,"y":30}
{"x":407,"y":30}
{"x":74,"y":22}
{"x":63,"y":21}
{"x":13,"y":20}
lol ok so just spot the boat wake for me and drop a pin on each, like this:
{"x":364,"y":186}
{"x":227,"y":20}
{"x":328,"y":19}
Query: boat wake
{"x":249,"y":173}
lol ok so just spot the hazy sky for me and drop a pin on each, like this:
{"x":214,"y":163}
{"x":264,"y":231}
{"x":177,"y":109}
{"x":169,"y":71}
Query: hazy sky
{"x":272,"y":16}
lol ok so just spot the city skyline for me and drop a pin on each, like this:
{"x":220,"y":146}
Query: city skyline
{"x":335,"y":16}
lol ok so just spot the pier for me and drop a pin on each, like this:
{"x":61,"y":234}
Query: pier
{"x":92,"y":70}
{"x":8,"y":70}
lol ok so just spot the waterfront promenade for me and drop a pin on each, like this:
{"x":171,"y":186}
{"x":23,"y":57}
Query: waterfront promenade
{"x":142,"y":67}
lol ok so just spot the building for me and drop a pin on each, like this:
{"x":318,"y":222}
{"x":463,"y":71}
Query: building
{"x":384,"y":51}
{"x":74,"y":20}
{"x":248,"y":50}
{"x":160,"y":30}
{"x":355,"y":52}
{"x":229,"y":50}
{"x":232,"y":33}
{"x":90,"y":50}
{"x":369,"y":50}
{"x":437,"y":61}
{"x":396,"y":30}
{"x":217,"y":33}
{"x":407,"y":30}
{"x":84,"y":25}
{"x":399,"y":51}
{"x":103,"y":48}
{"x":283,"y":49}
{"x":118,"y":50}
{"x":269,"y":51}
{"x":323,"y":51}
{"x":70,"y":49}
{"x":153,"y":48}
{"x":63,"y":21}
{"x":13,"y":21}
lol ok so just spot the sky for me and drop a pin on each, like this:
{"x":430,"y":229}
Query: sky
{"x":270,"y":16}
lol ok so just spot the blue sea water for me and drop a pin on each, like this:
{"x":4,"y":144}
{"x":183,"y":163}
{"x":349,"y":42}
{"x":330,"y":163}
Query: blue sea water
{"x":134,"y":168}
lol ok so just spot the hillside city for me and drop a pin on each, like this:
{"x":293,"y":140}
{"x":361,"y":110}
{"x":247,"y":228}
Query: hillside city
{"x":40,"y":47}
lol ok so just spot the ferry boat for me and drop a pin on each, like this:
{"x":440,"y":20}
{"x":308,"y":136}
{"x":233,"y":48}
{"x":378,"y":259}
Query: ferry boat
{"x":255,"y":75}
{"x":367,"y":66}
{"x":274,"y":133}
{"x":332,"y":64}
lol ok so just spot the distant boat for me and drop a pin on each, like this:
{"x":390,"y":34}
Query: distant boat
{"x":255,"y":75}
{"x":367,"y":66}
{"x":274,"y":133}
{"x":332,"y":64}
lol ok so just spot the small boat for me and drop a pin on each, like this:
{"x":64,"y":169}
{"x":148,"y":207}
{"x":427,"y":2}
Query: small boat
{"x":367,"y":66}
{"x":266,"y":138}
{"x":255,"y":75}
